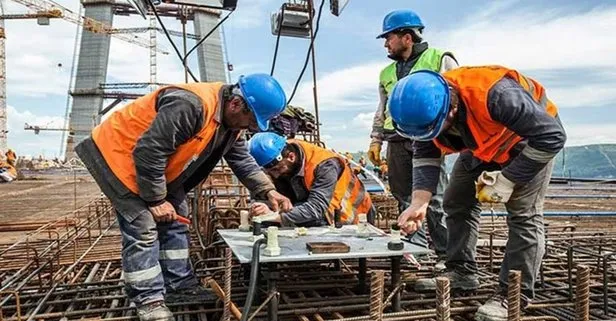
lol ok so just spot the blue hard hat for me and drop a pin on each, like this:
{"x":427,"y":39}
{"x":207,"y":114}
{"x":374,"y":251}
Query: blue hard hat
{"x":419,"y":104}
{"x":264,"y":96}
{"x":400,"y":19}
{"x":266,"y":147}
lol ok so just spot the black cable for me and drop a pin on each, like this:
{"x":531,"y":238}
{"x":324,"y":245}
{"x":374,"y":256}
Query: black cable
{"x":177,"y":51}
{"x":277,"y":39}
{"x":254,"y":277}
{"x":202,"y":40}
{"x":314,"y":36}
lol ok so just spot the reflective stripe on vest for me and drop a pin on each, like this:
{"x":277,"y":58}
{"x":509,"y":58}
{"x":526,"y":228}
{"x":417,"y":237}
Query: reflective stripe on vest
{"x":117,"y":136}
{"x":473,"y":84}
{"x":430,"y":59}
{"x":349,"y":197}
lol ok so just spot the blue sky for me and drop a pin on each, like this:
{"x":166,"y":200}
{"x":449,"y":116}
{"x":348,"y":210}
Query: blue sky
{"x":567,"y":45}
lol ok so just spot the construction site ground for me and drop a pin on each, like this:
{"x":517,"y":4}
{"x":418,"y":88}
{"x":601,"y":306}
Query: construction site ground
{"x":58,"y":263}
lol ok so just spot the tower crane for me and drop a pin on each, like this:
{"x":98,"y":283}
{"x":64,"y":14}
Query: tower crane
{"x":87,"y":23}
{"x":37,"y":129}
{"x":45,"y":10}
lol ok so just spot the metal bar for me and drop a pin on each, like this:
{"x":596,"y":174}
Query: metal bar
{"x":395,"y":279}
{"x":361,"y":275}
{"x":442,"y":299}
{"x":513,"y":295}
{"x":582,"y":293}
{"x":377,"y":280}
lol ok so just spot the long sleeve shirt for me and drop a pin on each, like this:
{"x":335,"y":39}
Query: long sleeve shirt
{"x":403,"y":68}
{"x":309,"y":204}
{"x":180,"y":117}
{"x":509,"y":104}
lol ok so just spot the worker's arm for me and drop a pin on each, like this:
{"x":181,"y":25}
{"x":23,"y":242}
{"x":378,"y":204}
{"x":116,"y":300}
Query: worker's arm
{"x":379,"y":116}
{"x":179,"y":117}
{"x":319,"y":196}
{"x":512,"y":106}
{"x":247,"y":171}
{"x":448,"y":62}
{"x":426,"y":166}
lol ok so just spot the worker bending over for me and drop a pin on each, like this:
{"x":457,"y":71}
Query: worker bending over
{"x":319,"y":182}
{"x":507,"y":132}
{"x":147,"y":155}
{"x":402,"y":31}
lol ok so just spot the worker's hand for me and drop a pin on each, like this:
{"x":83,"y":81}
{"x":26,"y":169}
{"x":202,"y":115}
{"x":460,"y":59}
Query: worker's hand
{"x":374,"y":153}
{"x":163,"y":212}
{"x":259,"y":208}
{"x":412,"y":218}
{"x":279,"y":202}
{"x":493,"y":187}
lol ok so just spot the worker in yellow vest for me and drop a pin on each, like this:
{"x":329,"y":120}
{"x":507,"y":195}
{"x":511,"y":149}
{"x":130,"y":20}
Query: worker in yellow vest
{"x":148,"y":154}
{"x":507,"y":132}
{"x":320,"y":183}
{"x":402,"y":31}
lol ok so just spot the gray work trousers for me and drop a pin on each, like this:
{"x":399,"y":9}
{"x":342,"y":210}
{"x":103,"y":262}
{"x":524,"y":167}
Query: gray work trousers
{"x":400,"y":161}
{"x":526,"y":244}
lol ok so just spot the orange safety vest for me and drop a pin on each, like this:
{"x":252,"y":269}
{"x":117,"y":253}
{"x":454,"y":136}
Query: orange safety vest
{"x":473,"y":84}
{"x":349,"y":197}
{"x":117,"y":135}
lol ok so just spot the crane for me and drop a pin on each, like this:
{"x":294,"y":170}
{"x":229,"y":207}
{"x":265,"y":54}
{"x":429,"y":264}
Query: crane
{"x":43,"y":19}
{"x":87,"y":23}
{"x":37,"y":129}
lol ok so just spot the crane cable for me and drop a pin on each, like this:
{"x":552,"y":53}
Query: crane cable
{"x":175,"y":48}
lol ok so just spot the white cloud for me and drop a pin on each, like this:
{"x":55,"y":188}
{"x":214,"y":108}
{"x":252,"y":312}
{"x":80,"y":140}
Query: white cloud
{"x":26,"y":142}
{"x":532,"y":39}
{"x":363,"y":120}
{"x":590,"y":134}
{"x":345,"y":88}
{"x":251,"y":14}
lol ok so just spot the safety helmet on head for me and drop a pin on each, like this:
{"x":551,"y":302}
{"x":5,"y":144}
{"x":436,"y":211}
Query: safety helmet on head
{"x":264,"y":96}
{"x":419,"y":104}
{"x":400,"y":19}
{"x":266,"y":148}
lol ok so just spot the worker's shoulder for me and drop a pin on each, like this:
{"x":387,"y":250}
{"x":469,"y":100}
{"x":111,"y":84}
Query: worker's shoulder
{"x":177,"y":94}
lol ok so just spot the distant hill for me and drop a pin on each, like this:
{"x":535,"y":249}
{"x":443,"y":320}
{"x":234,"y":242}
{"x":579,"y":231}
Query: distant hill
{"x":588,"y":161}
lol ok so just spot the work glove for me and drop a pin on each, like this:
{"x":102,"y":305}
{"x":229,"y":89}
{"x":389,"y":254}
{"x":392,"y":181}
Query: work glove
{"x":374,"y":153}
{"x":493,"y":187}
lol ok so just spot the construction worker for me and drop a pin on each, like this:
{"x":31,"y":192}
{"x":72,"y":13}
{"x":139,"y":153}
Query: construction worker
{"x":320,"y":184}
{"x":402,"y":31}
{"x":507,"y":133}
{"x":147,"y":155}
{"x":8,"y":170}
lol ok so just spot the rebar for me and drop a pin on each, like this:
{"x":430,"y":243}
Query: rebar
{"x":582,"y":293}
{"x":227,"y":284}
{"x":442,"y":299}
{"x":377,"y":284}
{"x":513,"y":295}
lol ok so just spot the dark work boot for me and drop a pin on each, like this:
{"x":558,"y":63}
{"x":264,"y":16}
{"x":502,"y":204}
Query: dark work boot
{"x":192,"y":294}
{"x":457,"y":281}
